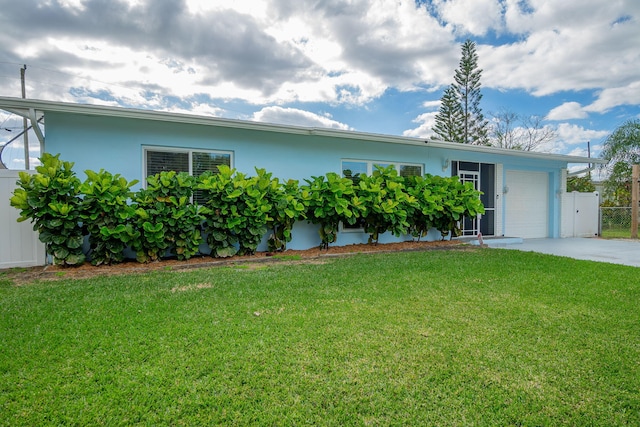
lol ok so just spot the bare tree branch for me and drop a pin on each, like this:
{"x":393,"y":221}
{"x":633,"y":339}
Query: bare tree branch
{"x":511,"y":130}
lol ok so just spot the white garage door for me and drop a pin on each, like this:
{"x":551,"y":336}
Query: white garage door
{"x":527,"y":204}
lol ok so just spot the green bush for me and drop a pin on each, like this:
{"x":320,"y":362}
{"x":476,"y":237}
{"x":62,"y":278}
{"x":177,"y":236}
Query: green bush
{"x":220,"y":212}
{"x":330,"y":199}
{"x":383,"y":203}
{"x":50,"y":199}
{"x":107,"y":216}
{"x":236,"y":213}
{"x":429,"y":206}
{"x":458,"y":200}
{"x":582,"y":184}
{"x":166,"y":219}
{"x":286,"y":209}
{"x":254,"y":209}
{"x":237,"y":210}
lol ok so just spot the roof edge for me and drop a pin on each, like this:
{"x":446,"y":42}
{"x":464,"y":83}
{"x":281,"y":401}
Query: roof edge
{"x":21,"y":107}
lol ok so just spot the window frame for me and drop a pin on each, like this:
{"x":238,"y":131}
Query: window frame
{"x":384,"y":163}
{"x":189,"y":151}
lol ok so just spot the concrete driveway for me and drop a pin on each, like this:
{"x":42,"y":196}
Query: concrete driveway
{"x":626,"y":252}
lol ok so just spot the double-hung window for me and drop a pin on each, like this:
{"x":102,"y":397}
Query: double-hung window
{"x":195,"y":162}
{"x":353,"y":168}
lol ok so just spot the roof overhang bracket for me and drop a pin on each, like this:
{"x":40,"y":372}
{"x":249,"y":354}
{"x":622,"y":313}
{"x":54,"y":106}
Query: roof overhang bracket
{"x":36,"y":128}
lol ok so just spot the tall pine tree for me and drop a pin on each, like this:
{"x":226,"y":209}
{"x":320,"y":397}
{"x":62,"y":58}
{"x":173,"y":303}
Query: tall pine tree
{"x":463,"y":98}
{"x":449,"y":117}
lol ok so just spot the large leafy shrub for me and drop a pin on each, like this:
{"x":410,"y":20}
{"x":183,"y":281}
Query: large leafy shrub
{"x":286,"y":209}
{"x":457,"y":200}
{"x":383,"y":203}
{"x":220,"y":213}
{"x":237,"y":210}
{"x":236,"y":213}
{"x":107,"y":216}
{"x":428,"y":207}
{"x":329,"y":200}
{"x":166,"y":218}
{"x":254,"y":208}
{"x":50,"y":199}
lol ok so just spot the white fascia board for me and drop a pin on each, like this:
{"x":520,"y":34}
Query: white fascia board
{"x":22,"y":106}
{"x":514,"y":153}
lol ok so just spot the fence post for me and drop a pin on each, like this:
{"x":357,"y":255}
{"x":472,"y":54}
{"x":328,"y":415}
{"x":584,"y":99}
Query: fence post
{"x":634,"y":201}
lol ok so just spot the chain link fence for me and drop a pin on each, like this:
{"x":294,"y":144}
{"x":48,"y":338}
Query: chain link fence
{"x":615,"y":222}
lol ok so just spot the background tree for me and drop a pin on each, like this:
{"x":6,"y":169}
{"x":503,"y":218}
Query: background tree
{"x":517,"y":132}
{"x":617,"y":186}
{"x":449,"y":117}
{"x":582,"y":184}
{"x":463,"y":98}
{"x":622,"y":150}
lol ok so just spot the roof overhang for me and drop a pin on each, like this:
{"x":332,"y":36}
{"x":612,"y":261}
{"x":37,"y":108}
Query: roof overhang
{"x":32,"y":109}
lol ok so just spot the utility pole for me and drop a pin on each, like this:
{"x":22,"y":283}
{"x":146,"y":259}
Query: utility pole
{"x":635,"y":176}
{"x":24,"y":121}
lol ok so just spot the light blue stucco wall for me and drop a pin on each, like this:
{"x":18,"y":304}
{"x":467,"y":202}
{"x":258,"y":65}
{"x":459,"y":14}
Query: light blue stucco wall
{"x":513,"y":163}
{"x":116,"y":145}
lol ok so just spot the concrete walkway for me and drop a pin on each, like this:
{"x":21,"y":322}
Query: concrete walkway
{"x":626,"y":252}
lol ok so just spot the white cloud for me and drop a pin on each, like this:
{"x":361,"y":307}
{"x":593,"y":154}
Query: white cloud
{"x":567,"y":111}
{"x":200,"y":55}
{"x":279,"y":51}
{"x":579,"y":151}
{"x":255,"y":8}
{"x":293,"y":116}
{"x":475,"y":17}
{"x":613,"y":97}
{"x":569,"y":45}
{"x":571,"y":138}
{"x":198,"y":108}
{"x":425,"y":129}
{"x":431,"y":105}
{"x":573,"y":134}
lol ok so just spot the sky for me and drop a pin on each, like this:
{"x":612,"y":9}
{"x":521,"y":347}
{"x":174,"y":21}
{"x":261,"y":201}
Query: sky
{"x":377,"y":66}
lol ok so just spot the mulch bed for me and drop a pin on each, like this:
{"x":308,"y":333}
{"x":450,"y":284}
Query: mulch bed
{"x":20,"y":276}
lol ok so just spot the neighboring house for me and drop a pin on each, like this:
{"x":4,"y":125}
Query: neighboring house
{"x":522,"y":190}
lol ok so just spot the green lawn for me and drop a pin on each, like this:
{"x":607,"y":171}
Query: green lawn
{"x":616,"y":233}
{"x":477,"y":337}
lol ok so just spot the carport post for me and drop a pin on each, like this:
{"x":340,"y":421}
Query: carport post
{"x":635,"y":176}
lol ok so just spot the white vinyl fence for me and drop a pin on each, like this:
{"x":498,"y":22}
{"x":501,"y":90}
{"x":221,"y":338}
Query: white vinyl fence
{"x":19,"y":244}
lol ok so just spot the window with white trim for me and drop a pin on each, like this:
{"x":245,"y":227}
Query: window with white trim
{"x":195,"y":162}
{"x":353,"y":168}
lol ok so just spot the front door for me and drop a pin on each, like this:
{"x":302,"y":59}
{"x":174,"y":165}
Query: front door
{"x":483,"y":178}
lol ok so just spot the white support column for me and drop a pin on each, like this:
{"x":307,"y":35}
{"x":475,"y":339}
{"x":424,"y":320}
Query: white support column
{"x":36,"y":128}
{"x":563,"y":181}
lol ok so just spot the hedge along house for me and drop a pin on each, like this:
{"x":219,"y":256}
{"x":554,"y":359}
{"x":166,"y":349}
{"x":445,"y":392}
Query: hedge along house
{"x":522,"y":190}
